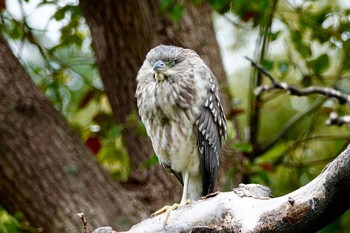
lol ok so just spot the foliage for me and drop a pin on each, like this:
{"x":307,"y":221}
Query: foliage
{"x":63,"y":66}
{"x":303,"y":44}
{"x":8,"y":223}
{"x":173,"y":8}
{"x":14,"y":223}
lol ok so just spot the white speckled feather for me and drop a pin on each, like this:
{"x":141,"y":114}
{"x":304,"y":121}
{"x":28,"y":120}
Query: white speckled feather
{"x":182,"y":114}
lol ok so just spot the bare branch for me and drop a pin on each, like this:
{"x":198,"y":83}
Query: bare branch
{"x":307,"y":209}
{"x":83,"y":221}
{"x":261,"y":69}
{"x":326,"y":91}
{"x":262,"y":44}
{"x":334,"y":119}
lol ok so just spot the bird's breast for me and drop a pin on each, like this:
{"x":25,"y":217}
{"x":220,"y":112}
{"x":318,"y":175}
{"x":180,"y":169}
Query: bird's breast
{"x":169,"y":116}
{"x":175,"y":144}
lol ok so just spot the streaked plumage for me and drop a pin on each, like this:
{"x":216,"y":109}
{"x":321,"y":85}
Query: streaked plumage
{"x":178,"y":100}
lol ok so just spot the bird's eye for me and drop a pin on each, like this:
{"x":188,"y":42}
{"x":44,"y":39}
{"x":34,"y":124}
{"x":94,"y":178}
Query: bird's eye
{"x":172,"y":63}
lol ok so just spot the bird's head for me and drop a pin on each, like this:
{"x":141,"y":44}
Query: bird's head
{"x":168,"y":61}
{"x":170,"y":73}
{"x":160,"y":68}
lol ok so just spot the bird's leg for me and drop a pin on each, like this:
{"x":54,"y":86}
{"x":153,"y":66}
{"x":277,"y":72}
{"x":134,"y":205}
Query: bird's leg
{"x":167,"y":209}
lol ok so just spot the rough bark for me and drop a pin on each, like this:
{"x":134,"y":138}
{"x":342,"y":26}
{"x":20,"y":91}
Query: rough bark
{"x":46,"y":171}
{"x":248,"y":209}
{"x":122,"y":34}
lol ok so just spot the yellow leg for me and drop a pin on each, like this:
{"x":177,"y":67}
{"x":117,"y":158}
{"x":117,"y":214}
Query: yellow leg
{"x":168,"y":208}
{"x":185,"y":178}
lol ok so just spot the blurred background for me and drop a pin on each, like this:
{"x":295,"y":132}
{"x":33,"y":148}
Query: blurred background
{"x":275,"y":139}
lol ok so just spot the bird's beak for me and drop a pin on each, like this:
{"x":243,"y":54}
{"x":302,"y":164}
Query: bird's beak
{"x":159,"y":67}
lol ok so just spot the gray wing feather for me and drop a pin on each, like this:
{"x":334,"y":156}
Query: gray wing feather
{"x":178,"y":175}
{"x":211,"y":126}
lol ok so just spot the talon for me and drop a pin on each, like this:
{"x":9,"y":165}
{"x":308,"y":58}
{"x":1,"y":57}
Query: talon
{"x":160,"y":211}
{"x":168,"y":208}
{"x":167,"y":212}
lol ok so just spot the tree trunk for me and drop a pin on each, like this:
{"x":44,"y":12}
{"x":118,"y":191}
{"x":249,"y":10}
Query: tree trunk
{"x":122,"y":34}
{"x":46,"y":171}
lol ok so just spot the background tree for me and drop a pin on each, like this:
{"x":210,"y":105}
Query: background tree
{"x":303,"y":44}
{"x":146,"y":188}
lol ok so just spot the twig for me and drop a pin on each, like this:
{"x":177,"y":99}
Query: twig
{"x":231,"y":21}
{"x":255,"y":101}
{"x":261,"y":69}
{"x":83,"y":221}
{"x":326,"y":91}
{"x":334,"y":119}
{"x":279,"y":159}
{"x":290,"y":124}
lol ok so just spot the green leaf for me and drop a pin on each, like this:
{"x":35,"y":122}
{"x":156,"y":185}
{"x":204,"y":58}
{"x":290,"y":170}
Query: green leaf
{"x":8,"y":223}
{"x":176,"y":12}
{"x":59,"y":14}
{"x":267,"y":64}
{"x":16,"y":30}
{"x":320,"y":64}
{"x":273,"y":35}
{"x":165,"y":4}
{"x":74,"y":10}
{"x":306,"y":81}
{"x":295,"y":36}
{"x":243,"y":147}
{"x":148,"y":163}
{"x":347,"y":12}
{"x":134,"y":121}
{"x":255,"y":11}
{"x":221,"y":6}
{"x":302,"y":48}
{"x":115,"y":131}
{"x":319,"y":17}
{"x":77,"y":39}
{"x":114,"y":158}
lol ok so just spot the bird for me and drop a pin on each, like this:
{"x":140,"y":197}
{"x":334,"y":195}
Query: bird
{"x":179,"y":104}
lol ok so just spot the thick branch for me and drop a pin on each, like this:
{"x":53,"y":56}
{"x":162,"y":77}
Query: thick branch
{"x":307,"y":209}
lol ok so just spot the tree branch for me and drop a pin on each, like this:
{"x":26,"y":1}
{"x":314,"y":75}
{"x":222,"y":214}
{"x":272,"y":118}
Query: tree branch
{"x":326,"y":91}
{"x":334,"y":119}
{"x":256,"y":80}
{"x":249,"y":208}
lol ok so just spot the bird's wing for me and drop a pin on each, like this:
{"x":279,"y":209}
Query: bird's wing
{"x":178,"y":175}
{"x":211,"y":126}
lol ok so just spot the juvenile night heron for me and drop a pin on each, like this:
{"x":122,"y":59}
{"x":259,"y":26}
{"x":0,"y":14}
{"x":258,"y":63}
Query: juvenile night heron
{"x":178,"y":100}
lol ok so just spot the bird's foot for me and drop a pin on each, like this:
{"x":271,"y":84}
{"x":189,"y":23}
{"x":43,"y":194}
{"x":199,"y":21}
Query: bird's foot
{"x":168,"y":208}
